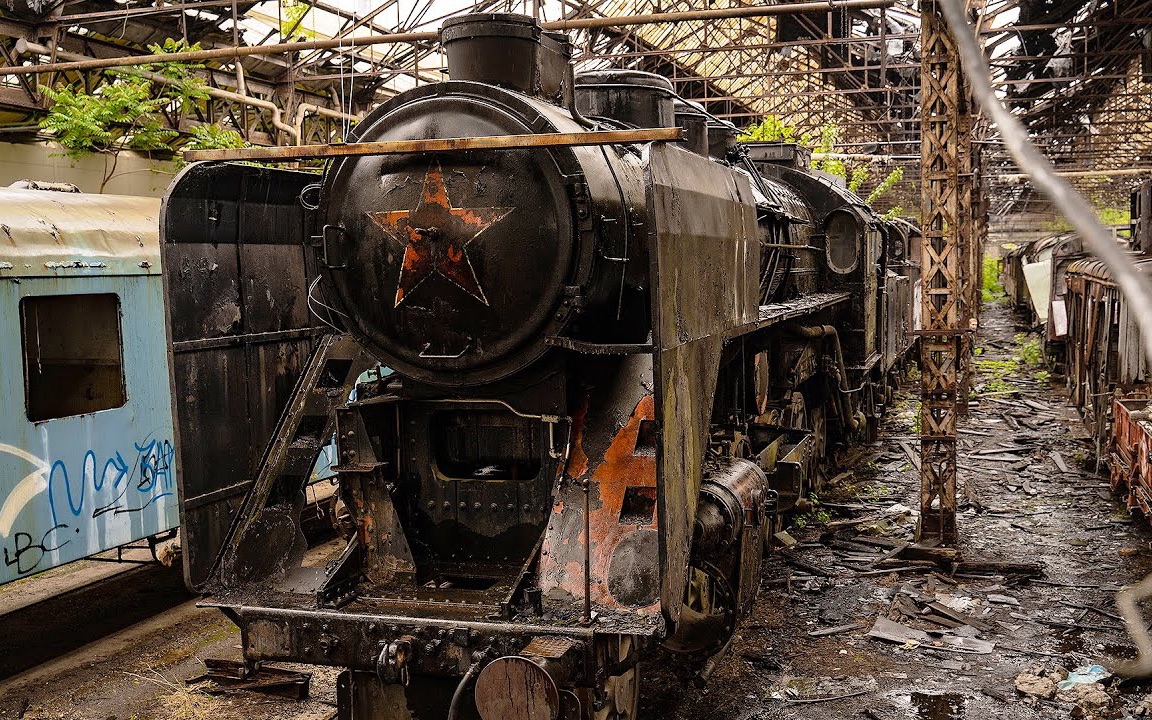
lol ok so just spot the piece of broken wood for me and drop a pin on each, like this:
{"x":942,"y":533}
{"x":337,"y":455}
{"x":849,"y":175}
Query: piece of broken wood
{"x":823,"y":632}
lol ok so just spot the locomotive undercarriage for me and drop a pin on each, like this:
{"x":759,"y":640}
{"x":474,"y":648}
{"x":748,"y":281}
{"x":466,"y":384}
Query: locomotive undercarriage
{"x":415,"y":608}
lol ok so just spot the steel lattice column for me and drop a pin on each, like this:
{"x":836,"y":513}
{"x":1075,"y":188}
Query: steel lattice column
{"x":944,"y":126}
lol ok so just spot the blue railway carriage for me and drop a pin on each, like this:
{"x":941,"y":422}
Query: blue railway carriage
{"x":86,"y":437}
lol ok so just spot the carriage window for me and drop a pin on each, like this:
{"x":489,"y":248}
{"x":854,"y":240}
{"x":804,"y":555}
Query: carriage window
{"x":73,"y":355}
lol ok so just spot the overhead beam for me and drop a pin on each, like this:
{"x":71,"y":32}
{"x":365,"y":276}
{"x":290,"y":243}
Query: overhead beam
{"x":409,"y":37}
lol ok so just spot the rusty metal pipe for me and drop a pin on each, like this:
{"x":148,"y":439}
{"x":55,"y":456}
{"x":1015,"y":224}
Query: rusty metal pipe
{"x":815,"y":332}
{"x":229,"y":53}
{"x":477,"y":660}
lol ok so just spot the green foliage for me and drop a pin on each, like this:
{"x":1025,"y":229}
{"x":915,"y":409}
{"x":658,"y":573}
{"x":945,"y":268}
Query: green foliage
{"x":889,"y":182}
{"x":991,"y":290}
{"x":214,"y":137}
{"x":858,"y":177}
{"x":184,"y":87}
{"x":1044,"y":376}
{"x":829,"y":134}
{"x":292,"y":14}
{"x":893,"y":212}
{"x":1115,"y":216}
{"x":122,"y":114}
{"x":132,"y":110}
{"x":770,"y":129}
{"x":1057,"y":224}
{"x":1107,"y":215}
{"x":1030,"y":350}
{"x":773,"y":129}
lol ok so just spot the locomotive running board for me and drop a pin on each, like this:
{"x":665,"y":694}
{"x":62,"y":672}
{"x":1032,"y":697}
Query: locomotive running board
{"x":406,"y":147}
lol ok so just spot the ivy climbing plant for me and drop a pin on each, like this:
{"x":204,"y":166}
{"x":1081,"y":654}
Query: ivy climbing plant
{"x":773,"y":129}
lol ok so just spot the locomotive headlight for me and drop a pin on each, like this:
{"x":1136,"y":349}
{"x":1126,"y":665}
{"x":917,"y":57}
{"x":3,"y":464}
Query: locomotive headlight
{"x":843,"y":231}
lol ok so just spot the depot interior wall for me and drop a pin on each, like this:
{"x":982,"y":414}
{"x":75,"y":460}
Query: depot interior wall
{"x":135,"y":174}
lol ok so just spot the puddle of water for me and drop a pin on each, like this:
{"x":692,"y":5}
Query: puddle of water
{"x":941,"y":706}
{"x":1073,"y":641}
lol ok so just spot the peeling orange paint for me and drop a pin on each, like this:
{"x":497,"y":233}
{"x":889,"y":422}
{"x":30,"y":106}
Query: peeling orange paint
{"x":619,"y":469}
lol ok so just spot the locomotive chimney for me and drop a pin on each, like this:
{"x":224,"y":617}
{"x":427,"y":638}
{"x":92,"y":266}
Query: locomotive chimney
{"x":508,"y":50}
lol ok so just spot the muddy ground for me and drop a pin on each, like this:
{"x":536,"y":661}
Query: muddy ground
{"x":1018,"y":505}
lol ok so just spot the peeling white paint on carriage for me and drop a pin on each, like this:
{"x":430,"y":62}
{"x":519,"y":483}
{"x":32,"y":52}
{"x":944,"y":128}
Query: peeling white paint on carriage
{"x":24,"y":491}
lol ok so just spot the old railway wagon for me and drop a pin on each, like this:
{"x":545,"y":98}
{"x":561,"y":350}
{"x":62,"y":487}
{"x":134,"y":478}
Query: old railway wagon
{"x":1106,"y":370}
{"x":614,"y":364}
{"x":86,"y":445}
{"x":86,"y":434}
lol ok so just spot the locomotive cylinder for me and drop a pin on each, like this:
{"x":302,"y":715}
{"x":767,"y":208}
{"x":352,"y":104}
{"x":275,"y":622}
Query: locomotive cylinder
{"x":727,"y":498}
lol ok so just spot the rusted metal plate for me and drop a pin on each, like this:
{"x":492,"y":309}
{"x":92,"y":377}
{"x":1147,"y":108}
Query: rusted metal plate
{"x":60,"y":234}
{"x":237,"y":272}
{"x":704,"y":287}
{"x":614,"y":456}
{"x":408,"y":147}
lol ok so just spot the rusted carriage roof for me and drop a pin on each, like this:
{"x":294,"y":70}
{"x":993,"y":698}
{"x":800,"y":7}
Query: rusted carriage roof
{"x":47,"y":233}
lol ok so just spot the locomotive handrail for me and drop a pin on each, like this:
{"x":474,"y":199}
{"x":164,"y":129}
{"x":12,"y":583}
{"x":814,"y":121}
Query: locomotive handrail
{"x":406,"y":147}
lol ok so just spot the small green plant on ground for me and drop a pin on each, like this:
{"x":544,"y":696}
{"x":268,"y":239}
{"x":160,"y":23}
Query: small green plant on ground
{"x":996,"y":374}
{"x":873,"y":491}
{"x":1044,"y":376}
{"x":1030,"y":350}
{"x":818,"y":515}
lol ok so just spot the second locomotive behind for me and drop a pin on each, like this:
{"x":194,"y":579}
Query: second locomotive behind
{"x":614,"y":365}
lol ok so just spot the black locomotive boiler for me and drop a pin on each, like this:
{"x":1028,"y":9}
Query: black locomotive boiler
{"x":612,"y":367}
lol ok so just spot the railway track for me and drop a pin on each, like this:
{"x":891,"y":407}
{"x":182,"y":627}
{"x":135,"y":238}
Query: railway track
{"x":84,"y":612}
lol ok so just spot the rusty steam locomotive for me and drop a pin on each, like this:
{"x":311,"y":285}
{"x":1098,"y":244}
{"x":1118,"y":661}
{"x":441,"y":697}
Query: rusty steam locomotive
{"x":613,"y":365}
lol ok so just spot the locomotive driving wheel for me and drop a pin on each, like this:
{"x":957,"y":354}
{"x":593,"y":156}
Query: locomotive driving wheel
{"x":708,"y":616}
{"x":621,"y":692}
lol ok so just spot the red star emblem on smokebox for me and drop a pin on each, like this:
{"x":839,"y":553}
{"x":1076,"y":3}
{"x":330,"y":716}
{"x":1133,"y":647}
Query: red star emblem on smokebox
{"x":436,"y":237}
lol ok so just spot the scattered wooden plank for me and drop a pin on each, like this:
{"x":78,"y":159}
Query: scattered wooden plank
{"x":901,"y":569}
{"x":791,"y":559}
{"x":935,"y":554}
{"x":1059,"y":460}
{"x":979,"y":567}
{"x":892,"y":553}
{"x":1092,"y":608}
{"x":878,"y":541}
{"x":824,"y":632}
{"x":914,"y":458}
